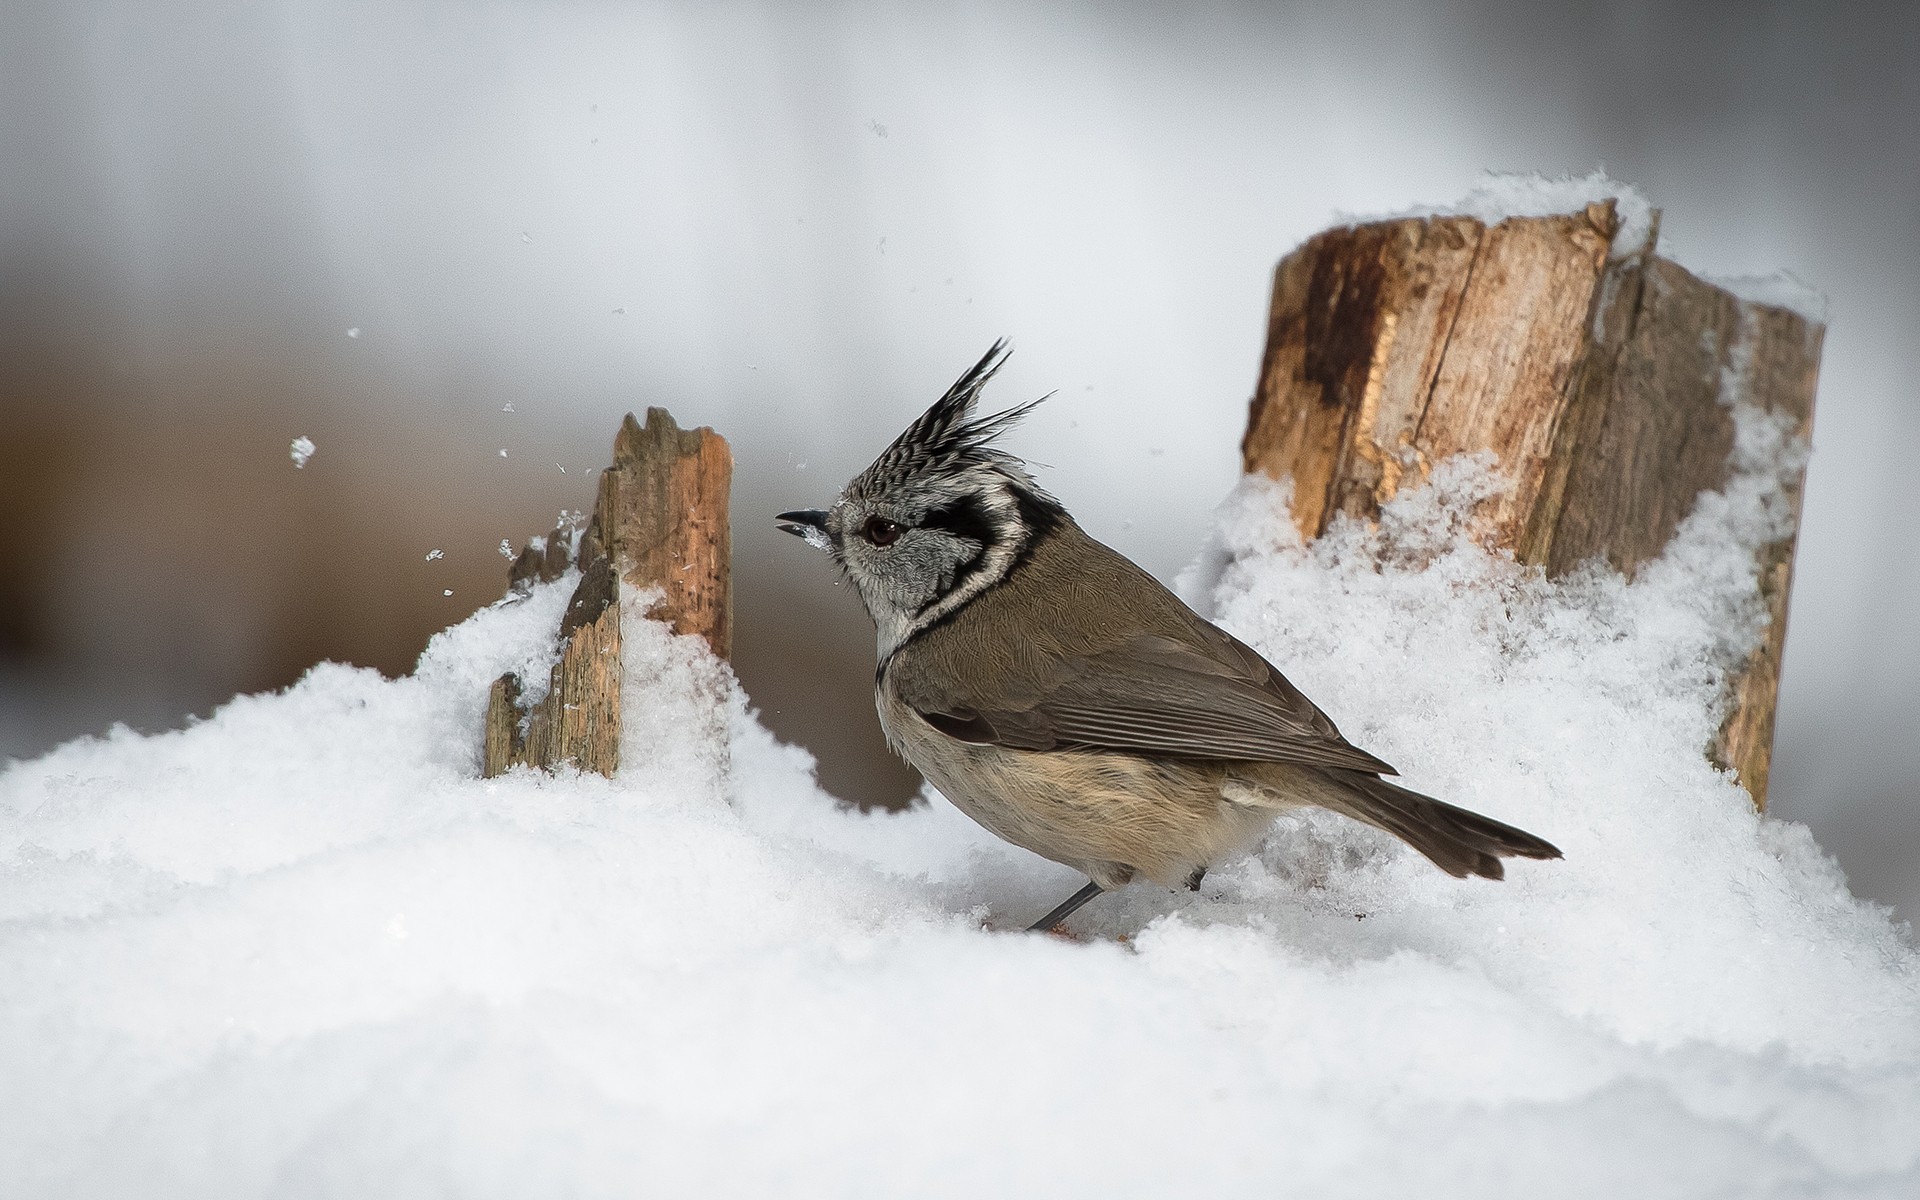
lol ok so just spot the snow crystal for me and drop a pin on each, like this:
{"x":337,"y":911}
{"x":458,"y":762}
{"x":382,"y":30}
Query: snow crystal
{"x":303,"y":947}
{"x":300,"y":451}
{"x":506,"y":548}
{"x":816,"y":537}
{"x":435,"y":553}
{"x":1501,"y":195}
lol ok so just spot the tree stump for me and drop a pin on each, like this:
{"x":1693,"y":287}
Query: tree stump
{"x":660,"y":521}
{"x":1599,"y":376}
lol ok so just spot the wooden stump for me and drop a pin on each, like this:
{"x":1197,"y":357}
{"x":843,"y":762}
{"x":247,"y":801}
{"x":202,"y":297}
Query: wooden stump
{"x":660,"y":521}
{"x":1598,"y":378}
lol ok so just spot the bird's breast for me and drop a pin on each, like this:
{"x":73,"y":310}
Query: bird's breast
{"x":1107,"y":814}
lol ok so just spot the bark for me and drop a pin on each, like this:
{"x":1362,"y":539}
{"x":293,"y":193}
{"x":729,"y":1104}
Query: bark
{"x":660,"y":522}
{"x":1600,"y":381}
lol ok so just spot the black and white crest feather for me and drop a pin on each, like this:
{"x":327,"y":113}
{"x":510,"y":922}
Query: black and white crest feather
{"x":941,"y":517}
{"x":947,"y":440}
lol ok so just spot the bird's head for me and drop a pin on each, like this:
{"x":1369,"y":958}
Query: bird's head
{"x":941,"y":516}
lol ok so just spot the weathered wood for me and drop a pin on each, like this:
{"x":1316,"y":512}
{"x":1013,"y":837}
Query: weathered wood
{"x":578,"y":721}
{"x":1780,"y":370}
{"x":662,"y":514}
{"x":541,"y":559}
{"x":660,"y":521}
{"x":502,"y":744}
{"x":1599,"y":377}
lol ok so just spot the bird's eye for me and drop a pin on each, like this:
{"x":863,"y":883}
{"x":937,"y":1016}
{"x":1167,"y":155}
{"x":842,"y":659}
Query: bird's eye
{"x":880,"y":531}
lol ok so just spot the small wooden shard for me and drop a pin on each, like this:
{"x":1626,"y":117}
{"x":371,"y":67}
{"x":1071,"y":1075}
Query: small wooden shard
{"x":1599,"y":376}
{"x":502,"y":744}
{"x":660,"y":521}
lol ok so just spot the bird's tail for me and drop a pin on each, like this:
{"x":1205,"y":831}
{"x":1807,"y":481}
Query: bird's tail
{"x":1461,"y":843}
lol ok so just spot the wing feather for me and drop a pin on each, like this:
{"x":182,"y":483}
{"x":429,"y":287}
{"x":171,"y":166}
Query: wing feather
{"x":1158,"y":695}
{"x":1155,"y":679}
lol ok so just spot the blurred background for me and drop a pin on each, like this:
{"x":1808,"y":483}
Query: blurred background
{"x":452,"y":243}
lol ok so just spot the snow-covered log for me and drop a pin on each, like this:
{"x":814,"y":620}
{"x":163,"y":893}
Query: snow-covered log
{"x":1607,"y":382}
{"x":660,"y":522}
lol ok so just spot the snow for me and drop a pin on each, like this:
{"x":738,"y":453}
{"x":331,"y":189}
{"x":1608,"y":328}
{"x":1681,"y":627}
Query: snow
{"x":301,"y":947}
{"x":813,"y":536}
{"x":1782,"y":289}
{"x":1501,"y":195}
{"x":301,"y":450}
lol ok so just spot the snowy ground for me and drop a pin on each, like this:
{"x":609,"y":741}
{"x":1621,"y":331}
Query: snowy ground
{"x":302,"y":949}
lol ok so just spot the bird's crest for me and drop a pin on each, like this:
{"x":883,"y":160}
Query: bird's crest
{"x":947,"y":440}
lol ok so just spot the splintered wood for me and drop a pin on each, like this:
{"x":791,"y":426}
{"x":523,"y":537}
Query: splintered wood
{"x":660,"y":522}
{"x":1600,"y":381}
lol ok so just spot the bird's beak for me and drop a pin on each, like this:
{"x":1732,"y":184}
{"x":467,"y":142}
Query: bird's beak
{"x":808,"y":523}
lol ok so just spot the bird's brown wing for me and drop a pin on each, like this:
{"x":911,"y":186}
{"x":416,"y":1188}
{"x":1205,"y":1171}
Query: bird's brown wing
{"x":1203,"y":696}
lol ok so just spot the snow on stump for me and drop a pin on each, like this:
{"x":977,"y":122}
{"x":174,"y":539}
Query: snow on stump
{"x":1601,"y":377}
{"x":660,"y":522}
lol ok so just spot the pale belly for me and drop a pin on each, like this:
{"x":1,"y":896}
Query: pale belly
{"x":1109,"y":815}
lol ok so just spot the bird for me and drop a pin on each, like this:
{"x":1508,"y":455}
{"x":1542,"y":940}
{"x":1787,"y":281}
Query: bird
{"x":1063,"y":698}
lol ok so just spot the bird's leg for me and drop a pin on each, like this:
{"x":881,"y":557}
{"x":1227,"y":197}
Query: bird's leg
{"x":1065,"y":909}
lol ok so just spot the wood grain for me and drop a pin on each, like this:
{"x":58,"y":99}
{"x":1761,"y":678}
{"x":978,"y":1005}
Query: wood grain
{"x":1600,"y":378}
{"x":660,"y":522}
{"x":663,"y":513}
{"x":1779,"y":370}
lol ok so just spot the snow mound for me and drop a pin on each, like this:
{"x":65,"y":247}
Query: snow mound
{"x":302,"y":948}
